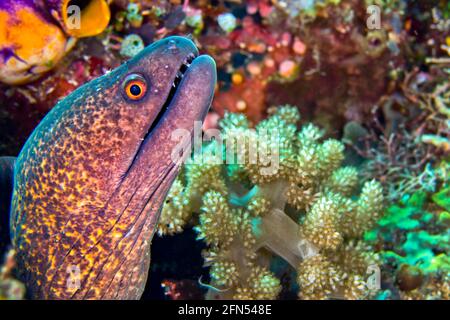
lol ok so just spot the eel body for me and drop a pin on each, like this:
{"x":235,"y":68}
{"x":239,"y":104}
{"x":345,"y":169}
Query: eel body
{"x":91,"y":179}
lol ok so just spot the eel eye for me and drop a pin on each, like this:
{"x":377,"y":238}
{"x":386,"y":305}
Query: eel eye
{"x":135,"y":86}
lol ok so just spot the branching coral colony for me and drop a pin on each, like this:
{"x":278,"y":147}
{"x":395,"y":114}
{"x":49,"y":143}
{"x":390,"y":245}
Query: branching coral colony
{"x":306,"y":212}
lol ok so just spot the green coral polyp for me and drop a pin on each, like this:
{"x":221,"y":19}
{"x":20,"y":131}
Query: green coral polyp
{"x":307,"y":211}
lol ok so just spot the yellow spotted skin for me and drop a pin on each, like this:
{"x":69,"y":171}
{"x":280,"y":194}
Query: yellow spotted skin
{"x":90,"y":181}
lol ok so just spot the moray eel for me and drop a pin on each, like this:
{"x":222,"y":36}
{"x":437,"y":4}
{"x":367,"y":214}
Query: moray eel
{"x":90,"y":181}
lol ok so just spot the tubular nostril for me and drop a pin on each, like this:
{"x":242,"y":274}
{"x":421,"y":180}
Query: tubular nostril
{"x":173,"y":46}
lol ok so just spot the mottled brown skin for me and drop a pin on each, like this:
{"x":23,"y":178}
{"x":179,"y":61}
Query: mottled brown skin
{"x":88,"y":189}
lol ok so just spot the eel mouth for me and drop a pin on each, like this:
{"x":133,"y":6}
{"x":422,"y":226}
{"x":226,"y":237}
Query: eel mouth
{"x":173,"y":90}
{"x":158,"y":119}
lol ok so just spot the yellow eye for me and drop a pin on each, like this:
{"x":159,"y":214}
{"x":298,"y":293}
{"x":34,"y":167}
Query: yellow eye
{"x":135,"y":86}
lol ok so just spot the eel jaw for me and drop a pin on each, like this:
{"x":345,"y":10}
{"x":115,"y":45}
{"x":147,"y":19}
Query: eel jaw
{"x":173,"y":89}
{"x":188,"y":102}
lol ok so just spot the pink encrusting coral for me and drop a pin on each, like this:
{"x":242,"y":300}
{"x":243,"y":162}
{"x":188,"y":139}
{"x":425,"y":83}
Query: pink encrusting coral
{"x":306,"y":211}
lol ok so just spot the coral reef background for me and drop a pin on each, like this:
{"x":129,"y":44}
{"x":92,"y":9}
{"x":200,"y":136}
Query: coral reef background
{"x":365,"y":169}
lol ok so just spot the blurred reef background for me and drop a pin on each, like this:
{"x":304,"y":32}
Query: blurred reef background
{"x":362,"y":108}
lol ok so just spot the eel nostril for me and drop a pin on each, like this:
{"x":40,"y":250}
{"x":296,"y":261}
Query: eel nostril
{"x":173,"y":46}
